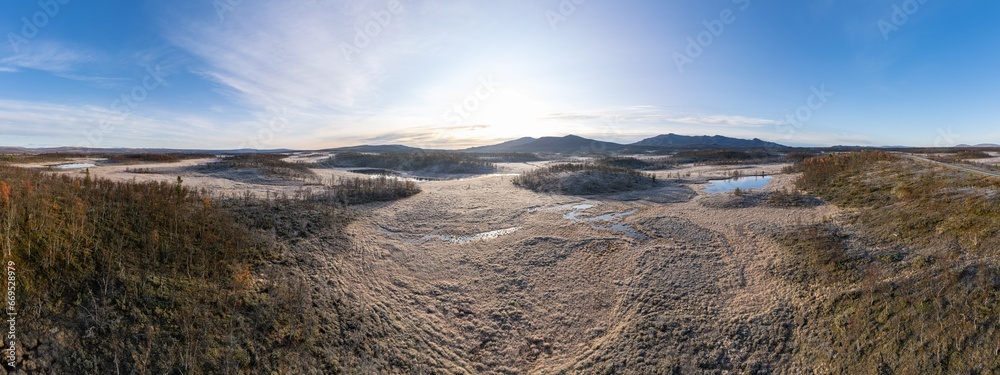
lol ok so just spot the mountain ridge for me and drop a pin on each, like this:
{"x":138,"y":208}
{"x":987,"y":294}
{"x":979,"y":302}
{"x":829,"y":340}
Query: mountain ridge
{"x":675,"y":140}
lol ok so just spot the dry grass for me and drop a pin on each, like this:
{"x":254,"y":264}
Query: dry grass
{"x":157,"y":278}
{"x":914,"y":278}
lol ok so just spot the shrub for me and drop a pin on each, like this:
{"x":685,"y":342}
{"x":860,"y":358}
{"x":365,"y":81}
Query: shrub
{"x":367,"y":190}
{"x":725,"y":157}
{"x":636,"y":163}
{"x":270,"y":164}
{"x":440,"y":162}
{"x":584,"y":179}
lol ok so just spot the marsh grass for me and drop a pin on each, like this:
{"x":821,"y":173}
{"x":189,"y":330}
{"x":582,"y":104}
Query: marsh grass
{"x":914,"y":276}
{"x":156,"y":277}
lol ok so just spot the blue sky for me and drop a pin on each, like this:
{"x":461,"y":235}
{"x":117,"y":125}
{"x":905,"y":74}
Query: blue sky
{"x":315,"y":74}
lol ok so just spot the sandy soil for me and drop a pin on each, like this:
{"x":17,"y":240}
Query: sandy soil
{"x":537,"y":292}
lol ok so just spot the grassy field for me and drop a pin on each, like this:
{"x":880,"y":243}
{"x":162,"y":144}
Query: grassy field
{"x":913,"y":273}
{"x":158,"y":278}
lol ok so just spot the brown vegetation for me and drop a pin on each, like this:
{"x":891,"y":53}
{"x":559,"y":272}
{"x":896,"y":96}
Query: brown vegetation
{"x":636,"y":163}
{"x":156,"y":278}
{"x":152,"y":158}
{"x":433,"y":163}
{"x":259,"y":165}
{"x":584,"y":179}
{"x":726,"y":157}
{"x":367,"y":190}
{"x":914,"y":278}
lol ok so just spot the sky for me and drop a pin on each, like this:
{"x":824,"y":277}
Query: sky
{"x":314,"y":74}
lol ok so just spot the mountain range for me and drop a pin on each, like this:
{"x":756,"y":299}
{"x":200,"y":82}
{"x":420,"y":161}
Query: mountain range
{"x":570,"y":144}
{"x":573,"y":144}
{"x":674,"y":140}
{"x":984,"y":145}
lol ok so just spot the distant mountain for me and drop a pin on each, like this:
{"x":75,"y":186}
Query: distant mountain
{"x":563,"y":145}
{"x":104,"y":151}
{"x":377,"y":148}
{"x":674,"y":140}
{"x":502,"y":147}
{"x":984,"y":145}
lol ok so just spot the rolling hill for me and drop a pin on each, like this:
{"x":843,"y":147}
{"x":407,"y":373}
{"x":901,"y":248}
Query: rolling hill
{"x":563,"y":145}
{"x":674,"y":140}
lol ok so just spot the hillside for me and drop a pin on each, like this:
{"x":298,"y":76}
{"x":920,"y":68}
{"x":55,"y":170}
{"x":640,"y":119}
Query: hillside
{"x":577,"y":144}
{"x":376,"y":148}
{"x":981,"y":145}
{"x":502,"y":147}
{"x":562,"y":145}
{"x":674,"y":140}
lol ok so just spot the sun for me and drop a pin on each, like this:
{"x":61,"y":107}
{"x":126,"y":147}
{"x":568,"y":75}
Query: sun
{"x":510,"y":113}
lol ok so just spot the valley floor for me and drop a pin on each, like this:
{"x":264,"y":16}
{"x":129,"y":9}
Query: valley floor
{"x":479,"y":276}
{"x":686,"y":289}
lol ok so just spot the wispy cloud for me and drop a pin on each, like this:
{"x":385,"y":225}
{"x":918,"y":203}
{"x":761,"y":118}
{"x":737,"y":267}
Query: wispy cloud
{"x":273,"y":54}
{"x":49,"y":57}
{"x":724,"y":120}
{"x":437,"y":137}
{"x":649,"y":114}
{"x":97,"y":126}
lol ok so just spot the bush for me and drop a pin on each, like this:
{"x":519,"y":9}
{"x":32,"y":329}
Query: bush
{"x":441,"y":162}
{"x":722,"y":157}
{"x":367,"y":190}
{"x":506,"y":157}
{"x":270,"y":164}
{"x":636,"y":164}
{"x":153,"y":158}
{"x":584,"y":179}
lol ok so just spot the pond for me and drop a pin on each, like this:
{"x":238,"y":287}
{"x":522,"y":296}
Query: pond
{"x":74,"y":166}
{"x":743,"y":183}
